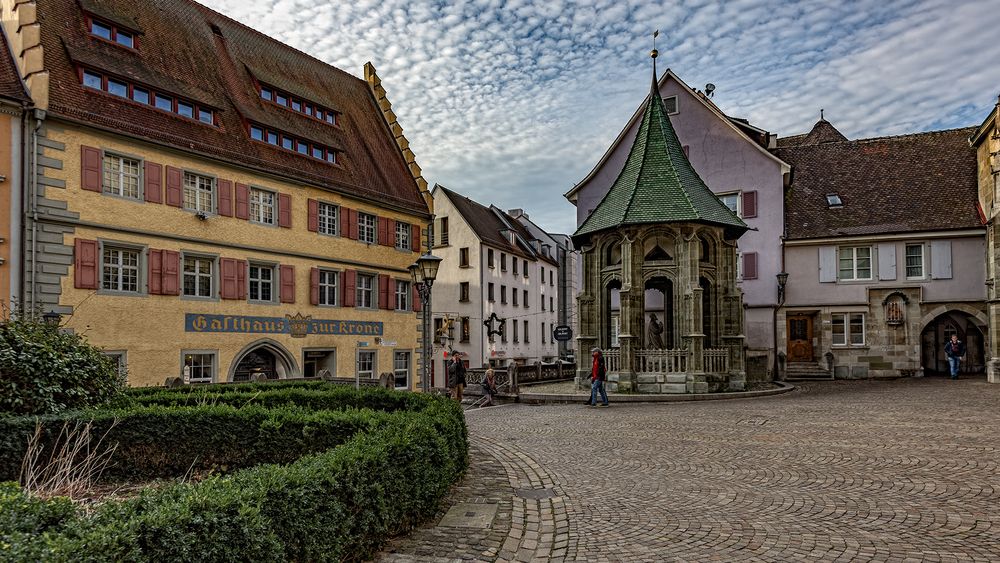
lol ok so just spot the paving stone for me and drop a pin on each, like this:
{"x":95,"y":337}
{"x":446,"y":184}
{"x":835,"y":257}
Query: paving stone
{"x":905,"y":470}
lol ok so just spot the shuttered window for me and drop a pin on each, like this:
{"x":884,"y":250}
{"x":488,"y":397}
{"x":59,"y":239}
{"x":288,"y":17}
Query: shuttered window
{"x":855,"y":263}
{"x":198,"y":276}
{"x":403,"y":233}
{"x":261,"y":283}
{"x":402,"y":295}
{"x":120,"y":269}
{"x":262,"y":204}
{"x":914,"y":261}
{"x":367,"y":226}
{"x":199,"y":192}
{"x":327,"y":215}
{"x":365,"y":291}
{"x":121,"y":176}
{"x":328,"y":287}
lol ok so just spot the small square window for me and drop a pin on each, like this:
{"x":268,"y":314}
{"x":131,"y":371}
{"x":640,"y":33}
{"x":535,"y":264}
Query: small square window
{"x":101,"y":30}
{"x":140,"y":95}
{"x":199,"y":368}
{"x":317,"y":152}
{"x":331,"y":156}
{"x":296,"y":105}
{"x":301,"y":147}
{"x":185,"y":109}
{"x":165,"y":103}
{"x":272,"y":137}
{"x":281,"y":98}
{"x":287,"y":143}
{"x":309,"y":109}
{"x":118,"y":88}
{"x":331,"y":117}
{"x":256,"y":133}
{"x":124,"y":38}
{"x":267,"y":93}
{"x":205,"y":116}
{"x":92,"y":80}
{"x":833,"y":200}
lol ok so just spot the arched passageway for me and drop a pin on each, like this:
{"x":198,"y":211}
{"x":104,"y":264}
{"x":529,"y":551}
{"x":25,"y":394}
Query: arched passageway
{"x":938,"y":331}
{"x":265,"y":360}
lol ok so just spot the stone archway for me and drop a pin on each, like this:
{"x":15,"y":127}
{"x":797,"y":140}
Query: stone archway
{"x":263,"y":359}
{"x":936,"y":332}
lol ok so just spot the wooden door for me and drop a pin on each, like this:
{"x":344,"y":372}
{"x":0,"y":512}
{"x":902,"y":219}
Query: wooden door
{"x":800,"y":335}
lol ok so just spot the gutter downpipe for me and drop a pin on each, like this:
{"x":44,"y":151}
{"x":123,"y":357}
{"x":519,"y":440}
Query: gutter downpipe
{"x":33,"y":159}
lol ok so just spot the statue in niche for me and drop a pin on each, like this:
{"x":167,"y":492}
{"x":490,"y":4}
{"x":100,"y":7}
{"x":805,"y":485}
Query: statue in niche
{"x":654,"y":340}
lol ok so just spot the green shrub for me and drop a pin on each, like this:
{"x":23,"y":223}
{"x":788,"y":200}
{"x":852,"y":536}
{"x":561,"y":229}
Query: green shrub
{"x":159,"y":441}
{"x":216,"y":388}
{"x":44,"y":370}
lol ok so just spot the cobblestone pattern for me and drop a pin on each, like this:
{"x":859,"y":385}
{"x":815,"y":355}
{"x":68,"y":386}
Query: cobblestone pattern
{"x":836,"y":471}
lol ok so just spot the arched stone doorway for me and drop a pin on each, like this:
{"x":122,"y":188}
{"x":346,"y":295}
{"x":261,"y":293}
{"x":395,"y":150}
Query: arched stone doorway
{"x":659,"y":301}
{"x":262,"y":360}
{"x":939,"y":330}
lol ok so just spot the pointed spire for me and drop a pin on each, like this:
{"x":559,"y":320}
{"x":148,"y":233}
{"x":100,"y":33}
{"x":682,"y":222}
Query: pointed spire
{"x":655,"y":88}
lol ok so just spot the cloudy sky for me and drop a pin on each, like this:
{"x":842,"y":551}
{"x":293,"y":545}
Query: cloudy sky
{"x":513,"y":102}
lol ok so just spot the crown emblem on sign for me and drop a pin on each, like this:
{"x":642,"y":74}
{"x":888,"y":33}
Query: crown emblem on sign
{"x":298,"y":324}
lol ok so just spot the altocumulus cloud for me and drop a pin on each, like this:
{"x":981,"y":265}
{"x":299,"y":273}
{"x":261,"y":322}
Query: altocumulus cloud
{"x":512,"y":102}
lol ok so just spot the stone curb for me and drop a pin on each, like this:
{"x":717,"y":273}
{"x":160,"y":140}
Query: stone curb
{"x":541,"y":398}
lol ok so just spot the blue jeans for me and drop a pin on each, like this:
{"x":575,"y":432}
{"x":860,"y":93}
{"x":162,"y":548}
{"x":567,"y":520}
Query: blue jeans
{"x":953,"y":364}
{"x":594,"y":388}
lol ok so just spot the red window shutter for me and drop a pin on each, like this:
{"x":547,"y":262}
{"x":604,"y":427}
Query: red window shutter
{"x":345,"y":222}
{"x":313,"y":222}
{"x":171,"y":272}
{"x":153,"y":177}
{"x":225,"y":197}
{"x":349,"y":279}
{"x":242,"y":201}
{"x":750,"y":266}
{"x":241,"y":279}
{"x":750,"y":204}
{"x":285,"y":212}
{"x":155,"y":272}
{"x":354,"y":224}
{"x":314,"y":286}
{"x":90,"y":168}
{"x":227,"y":276}
{"x":415,"y":238}
{"x":383,"y":231}
{"x":175,"y":189}
{"x":417,"y":305}
{"x":287,"y":279}
{"x":383,"y":292}
{"x":390,"y":232}
{"x":85,"y":264}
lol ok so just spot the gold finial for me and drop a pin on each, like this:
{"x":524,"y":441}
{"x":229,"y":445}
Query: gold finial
{"x":654,"y":53}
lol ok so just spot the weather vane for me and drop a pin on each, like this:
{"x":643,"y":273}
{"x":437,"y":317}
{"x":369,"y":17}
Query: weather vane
{"x":654,"y":52}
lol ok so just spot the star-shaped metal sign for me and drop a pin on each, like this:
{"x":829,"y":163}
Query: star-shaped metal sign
{"x":491,"y":325}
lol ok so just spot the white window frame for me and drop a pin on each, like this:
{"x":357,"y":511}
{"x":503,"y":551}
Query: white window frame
{"x":202,"y":354}
{"x":328,"y":287}
{"x":119,"y":268}
{"x":121,"y":359}
{"x":854,"y":263}
{"x":403,"y":234}
{"x":847,"y":336}
{"x":328,"y":218}
{"x":271,"y":282}
{"x":113,"y":183}
{"x":372,"y":368}
{"x":923,"y":260}
{"x":738,"y":209}
{"x":367,"y":291}
{"x":263,"y":206}
{"x":198,"y":187}
{"x":402,"y":369}
{"x":198,"y":275}
{"x":677,"y":106}
{"x":403,"y":295}
{"x":367,"y":233}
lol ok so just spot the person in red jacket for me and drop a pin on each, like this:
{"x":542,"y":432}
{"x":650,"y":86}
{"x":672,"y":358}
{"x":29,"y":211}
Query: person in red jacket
{"x":598,"y":374}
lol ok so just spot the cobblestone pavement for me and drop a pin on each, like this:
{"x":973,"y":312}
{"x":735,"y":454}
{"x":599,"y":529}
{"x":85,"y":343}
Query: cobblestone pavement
{"x":835,"y":471}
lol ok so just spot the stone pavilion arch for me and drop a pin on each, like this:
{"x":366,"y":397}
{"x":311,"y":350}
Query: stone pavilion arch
{"x":661,"y":245}
{"x":262,"y":359}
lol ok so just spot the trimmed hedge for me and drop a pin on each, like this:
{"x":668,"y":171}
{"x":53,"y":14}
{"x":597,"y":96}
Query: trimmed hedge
{"x":233,"y":387}
{"x":339,"y":505}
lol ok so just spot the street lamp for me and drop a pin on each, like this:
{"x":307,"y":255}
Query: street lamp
{"x":51,"y":318}
{"x":423,"y":273}
{"x":782,"y":281}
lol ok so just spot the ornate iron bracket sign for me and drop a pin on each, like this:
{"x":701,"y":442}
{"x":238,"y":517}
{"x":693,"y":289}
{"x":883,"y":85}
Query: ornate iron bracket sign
{"x":491,"y":324}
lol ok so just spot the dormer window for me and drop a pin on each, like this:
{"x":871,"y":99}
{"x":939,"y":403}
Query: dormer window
{"x":298,"y":105}
{"x":292,"y":143}
{"x":113,"y":33}
{"x":833,"y":200}
{"x":96,"y":80}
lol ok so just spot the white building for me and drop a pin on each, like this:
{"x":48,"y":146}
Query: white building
{"x":491,"y":264}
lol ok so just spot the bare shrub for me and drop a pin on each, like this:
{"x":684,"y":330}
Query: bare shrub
{"x":75,"y":462}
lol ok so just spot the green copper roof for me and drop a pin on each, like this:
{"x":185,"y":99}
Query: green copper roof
{"x":658,"y":183}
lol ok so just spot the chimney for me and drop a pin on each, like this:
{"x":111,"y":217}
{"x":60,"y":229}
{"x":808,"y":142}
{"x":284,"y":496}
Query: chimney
{"x":517,"y":213}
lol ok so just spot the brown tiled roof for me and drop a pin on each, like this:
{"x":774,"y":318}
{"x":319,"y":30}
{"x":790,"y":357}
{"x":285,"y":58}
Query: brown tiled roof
{"x":194,"y":52}
{"x":919,"y":182}
{"x":489,"y":227}
{"x":822,"y":132}
{"x":11,"y":86}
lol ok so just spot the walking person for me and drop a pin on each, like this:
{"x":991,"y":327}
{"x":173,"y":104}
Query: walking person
{"x":598,"y":374}
{"x":489,"y":386}
{"x":456,"y":376}
{"x":955,"y":350}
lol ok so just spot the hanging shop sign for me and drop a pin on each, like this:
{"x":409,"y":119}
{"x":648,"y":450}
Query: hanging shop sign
{"x":562,"y":333}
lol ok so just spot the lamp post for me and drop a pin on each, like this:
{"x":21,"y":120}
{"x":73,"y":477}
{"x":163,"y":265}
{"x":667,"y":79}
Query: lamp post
{"x":782,"y":281}
{"x":51,"y":319}
{"x":423,"y":273}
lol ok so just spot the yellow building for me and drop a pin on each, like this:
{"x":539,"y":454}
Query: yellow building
{"x":13,"y":102}
{"x":986,"y":141}
{"x":211,"y":203}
